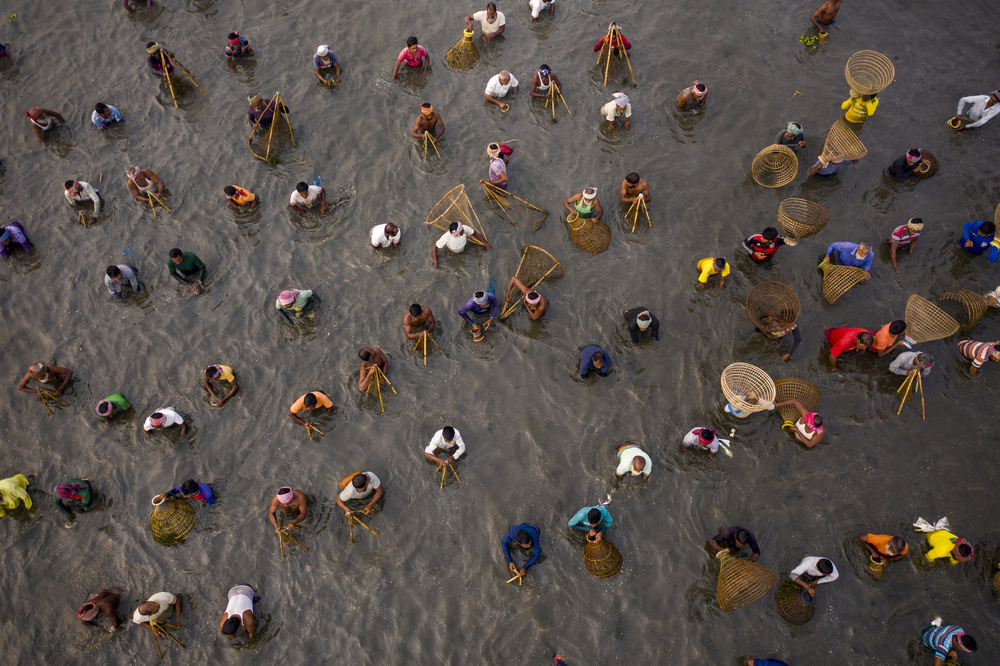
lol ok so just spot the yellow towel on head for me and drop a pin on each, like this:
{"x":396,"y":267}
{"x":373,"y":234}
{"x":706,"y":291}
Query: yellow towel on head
{"x":13,"y":491}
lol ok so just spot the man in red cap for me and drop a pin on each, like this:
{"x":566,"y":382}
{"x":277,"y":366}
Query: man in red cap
{"x":237,"y":47}
{"x":103,"y":603}
{"x":702,"y":438}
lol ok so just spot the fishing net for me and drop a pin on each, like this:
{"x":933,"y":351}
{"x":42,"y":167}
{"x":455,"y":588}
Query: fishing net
{"x":869,"y":72}
{"x":926,"y":321}
{"x":793,"y":388}
{"x":843,"y":144}
{"x":747,"y":387}
{"x":172,"y":520}
{"x":740,"y":582}
{"x":601,"y":558}
{"x":772,"y":307}
{"x":975,"y":305}
{"x":536,"y":265}
{"x":928,"y":165}
{"x":266,"y":142}
{"x":838,"y":279}
{"x":791,"y":605}
{"x":464,"y":54}
{"x":590,"y":234}
{"x":455,"y":207}
{"x":775,"y":166}
{"x":514,"y":206}
{"x":800,"y":218}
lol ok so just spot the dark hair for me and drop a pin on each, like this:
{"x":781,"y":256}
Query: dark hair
{"x":964,"y":549}
{"x":719,"y":263}
{"x":916,"y":220}
{"x":309,"y":400}
{"x":825,"y":566}
{"x":301,"y":187}
{"x":492,"y":6}
{"x":598,"y":357}
{"x":359,"y":481}
{"x":448,"y":432}
{"x":156,"y":415}
{"x":987,"y":227}
{"x":416,"y":309}
{"x":544,"y":66}
{"x":392,"y":225}
{"x":411,"y":41}
{"x":770,"y":233}
{"x":968,"y":642}
{"x":533,"y":294}
{"x":523,"y":537}
{"x":925,"y":359}
{"x":189,"y":487}
{"x":68,"y":184}
{"x":425,"y":105}
{"x":229,"y":190}
{"x":897,"y":327}
{"x":453,"y":226}
{"x":742,"y":537}
{"x":867,"y":339}
{"x":230,"y":626}
{"x":175,"y":252}
{"x":594,"y":516}
{"x":817,"y":420}
{"x":210,"y":372}
{"x":701,"y":87}
{"x":148,"y":44}
{"x":632,"y":178}
{"x":233,"y":35}
{"x":365,"y":354}
{"x":898,"y":544}
{"x":113,"y":271}
{"x":100,"y":107}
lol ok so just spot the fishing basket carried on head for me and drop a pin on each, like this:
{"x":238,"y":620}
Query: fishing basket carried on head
{"x":747,"y":387}
{"x":590,"y":234}
{"x":793,"y":388}
{"x":869,"y":72}
{"x":536,"y":265}
{"x":775,"y":166}
{"x":800,"y":218}
{"x":843,"y":144}
{"x":741,"y":582}
{"x":601,"y":557}
{"x":793,"y":605}
{"x":464,"y":54}
{"x":774,"y":302}
{"x":838,"y":279}
{"x":455,"y":207}
{"x":927,"y":167}
{"x":172,"y":520}
{"x":975,"y":305}
{"x":926,"y":321}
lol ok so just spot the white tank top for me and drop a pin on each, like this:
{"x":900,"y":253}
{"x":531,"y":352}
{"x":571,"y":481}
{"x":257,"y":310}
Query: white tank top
{"x":546,"y":84}
{"x":240,"y":600}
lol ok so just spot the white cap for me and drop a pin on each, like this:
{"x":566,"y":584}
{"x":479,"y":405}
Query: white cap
{"x":322,"y":50}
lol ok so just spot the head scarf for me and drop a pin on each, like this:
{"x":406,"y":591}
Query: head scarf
{"x":286,"y":497}
{"x":643,"y":319}
{"x":493,"y":150}
{"x":153,"y":49}
{"x":104,"y":408}
{"x":621,"y":99}
{"x":254,"y":98}
{"x":810,"y":420}
{"x":68,"y":491}
{"x":694,"y":89}
{"x":132,"y":173}
{"x":532,"y":298}
{"x":913,"y":156}
{"x":996,"y":94}
{"x":217,"y":371}
{"x":794,"y":128}
{"x":505,"y":149}
{"x":702,"y":439}
{"x":959,"y":541}
{"x":237,"y":40}
{"x":914,"y":227}
{"x":157,"y":420}
{"x":87,"y":612}
{"x":590,"y":193}
{"x":427,"y":109}
{"x":37,"y":370}
{"x":5,"y":236}
{"x":480,"y":298}
{"x":544,"y":70}
{"x":288,"y":296}
{"x":35,"y":111}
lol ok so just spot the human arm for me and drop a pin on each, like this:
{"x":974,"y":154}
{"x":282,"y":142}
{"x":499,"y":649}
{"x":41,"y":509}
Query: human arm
{"x":795,"y":403}
{"x":292,"y":414}
{"x":62,"y":508}
{"x":395,"y":70}
{"x":434,"y":256}
{"x":536,"y":547}
{"x":113,"y":288}
{"x":438,"y":122}
{"x":303,"y":511}
{"x":501,"y":179}
{"x":365,"y":377}
{"x":149,"y":175}
{"x":598,"y":211}
{"x":319,"y":75}
{"x":488,"y":36}
{"x":416,"y":132}
{"x":815,"y":19}
{"x":468,"y":22}
{"x":585,"y":364}
{"x":682,"y":99}
{"x":796,"y":340}
{"x":66,"y":373}
{"x":567,"y":204}
{"x":463,"y":311}
{"x":893,"y":246}
{"x":986,"y":117}
{"x":479,"y":237}
{"x":91,"y":193}
{"x":376,"y":496}
{"x":233,"y":390}
{"x":579,"y":520}
{"x":533,"y":87}
{"x":460,"y":447}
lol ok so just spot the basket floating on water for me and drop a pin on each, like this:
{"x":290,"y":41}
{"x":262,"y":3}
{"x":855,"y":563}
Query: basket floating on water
{"x":975,"y":305}
{"x":464,"y":54}
{"x":741,"y":582}
{"x":589,"y":234}
{"x":172,"y":520}
{"x":869,"y":72}
{"x":601,"y":557}
{"x":926,"y":321}
{"x":772,"y":307}
{"x":775,"y":166}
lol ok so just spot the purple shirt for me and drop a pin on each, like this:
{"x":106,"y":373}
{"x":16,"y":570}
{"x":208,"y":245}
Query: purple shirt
{"x":475,"y":308}
{"x":14,"y":232}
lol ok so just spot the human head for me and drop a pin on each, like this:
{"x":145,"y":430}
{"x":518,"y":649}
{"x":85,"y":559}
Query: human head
{"x":229,"y":191}
{"x":101,"y":108}
{"x":491,"y":10}
{"x":360,"y":481}
{"x":598,"y":360}
{"x":594,"y":517}
{"x":176,"y":255}
{"x":719,"y":263}
{"x":896,"y":545}
{"x":309,"y":400}
{"x":924,"y":360}
{"x":590,"y":193}
{"x":416,"y":310}
{"x":913,"y":155}
{"x":987,"y":228}
{"x":287,"y":297}
{"x":66,"y":492}
{"x":505,"y":77}
{"x":897,"y":327}
{"x":632,"y":178}
{"x":493,"y":150}
{"x":962,"y":551}
{"x":699,"y":89}
{"x":88,"y":612}
{"x":411,"y":42}
{"x":364,"y":354}
{"x":864,"y":340}
{"x":233,"y":37}
{"x":148,"y":608}
{"x":914,"y":225}
{"x":391,"y":229}
{"x":427,"y":108}
{"x":532,"y":298}
{"x":105,"y":408}
{"x":705,"y":436}
{"x":37,"y":370}
{"x":189,"y":488}
{"x":285,"y":495}
{"x":742,"y":538}
{"x":322,"y":50}
{"x":157,"y":419}
{"x":544,"y":70}
{"x":301,"y":187}
{"x":132,"y":172}
{"x":213,"y":372}
{"x":864,"y":247}
{"x":825,"y":566}
{"x":523,"y":539}
{"x":638,"y":463}
{"x":230,"y":626}
{"x":255,"y":99}
{"x":967,"y":643}
{"x":621,"y":100}
{"x":70,"y":185}
{"x":644,"y":319}
{"x":794,"y":129}
{"x":455,"y":229}
{"x":994,"y":98}
{"x":481,"y":298}
{"x":448,"y":433}
{"x":770,"y":233}
{"x":152,"y":47}
{"x":814,"y":420}
{"x":114,"y":273}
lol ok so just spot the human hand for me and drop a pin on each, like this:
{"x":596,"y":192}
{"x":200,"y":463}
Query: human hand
{"x":367,"y":510}
{"x":277,"y":530}
{"x":702,"y":285}
{"x":322,"y":208}
{"x":488,"y":323}
{"x":802,"y":144}
{"x":786,"y":357}
{"x":511,"y":567}
{"x":196,"y":288}
{"x":760,"y":256}
{"x":968,"y":243}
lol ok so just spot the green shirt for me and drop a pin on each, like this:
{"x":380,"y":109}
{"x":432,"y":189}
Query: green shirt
{"x":189,"y":266}
{"x":120,"y":404}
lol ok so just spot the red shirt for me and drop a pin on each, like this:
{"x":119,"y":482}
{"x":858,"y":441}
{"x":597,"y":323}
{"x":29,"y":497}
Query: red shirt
{"x":842,"y":339}
{"x":412,"y":59}
{"x":616,"y":43}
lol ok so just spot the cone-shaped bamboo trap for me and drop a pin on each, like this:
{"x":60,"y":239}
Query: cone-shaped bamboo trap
{"x":926,"y":321}
{"x":601,"y":557}
{"x":793,"y":388}
{"x":869,"y":72}
{"x":747,"y":387}
{"x":590,"y":234}
{"x":975,"y":305}
{"x":843,"y":144}
{"x":455,"y":207}
{"x":772,"y":307}
{"x":775,"y":166}
{"x":838,"y":279}
{"x":800,"y":218}
{"x":172,"y":520}
{"x":792,"y":605}
{"x":740,"y":582}
{"x":464,"y":54}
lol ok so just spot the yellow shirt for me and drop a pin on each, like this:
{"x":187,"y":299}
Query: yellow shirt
{"x":941,"y":543}
{"x":227,"y":372}
{"x":707,"y":267}
{"x":321,"y":401}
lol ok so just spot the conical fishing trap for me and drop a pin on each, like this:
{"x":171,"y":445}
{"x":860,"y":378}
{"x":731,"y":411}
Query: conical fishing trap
{"x":747,"y":387}
{"x":455,"y":207}
{"x":793,"y":388}
{"x":793,"y":605}
{"x":869,"y":72}
{"x":601,"y":557}
{"x":838,"y":279}
{"x":926,"y":321}
{"x":464,"y":54}
{"x":590,"y":234}
{"x":772,"y":307}
{"x":800,"y":218}
{"x":842,"y":144}
{"x":536,"y":265}
{"x":172,"y":520}
{"x":975,"y":305}
{"x":740,"y":582}
{"x":775,"y":166}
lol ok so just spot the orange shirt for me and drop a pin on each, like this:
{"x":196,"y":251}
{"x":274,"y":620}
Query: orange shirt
{"x":881,"y":542}
{"x":883,"y":338}
{"x":243,"y":196}
{"x":321,"y":401}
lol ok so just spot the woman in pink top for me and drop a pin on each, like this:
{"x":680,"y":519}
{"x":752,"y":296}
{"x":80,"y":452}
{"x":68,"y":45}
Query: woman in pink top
{"x":413,"y":55}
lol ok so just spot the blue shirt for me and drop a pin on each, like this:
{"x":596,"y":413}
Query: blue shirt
{"x":104,"y":123}
{"x":587,"y":360}
{"x":237,"y":49}
{"x":475,"y":308}
{"x":579,"y":521}
{"x":511,"y":537}
{"x":325,"y":64}
{"x":845,"y":255}
{"x":941,"y":639}
{"x":768,"y":662}
{"x":827,"y":170}
{"x":204,"y":493}
{"x":980,"y":242}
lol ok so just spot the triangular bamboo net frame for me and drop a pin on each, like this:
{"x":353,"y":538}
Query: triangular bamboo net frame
{"x":837,"y":280}
{"x":554,"y":271}
{"x":273,"y":102}
{"x":842,"y":144}
{"x":455,"y":207}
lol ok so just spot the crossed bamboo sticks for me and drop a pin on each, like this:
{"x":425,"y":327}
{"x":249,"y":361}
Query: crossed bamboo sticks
{"x":494,"y":194}
{"x":276,"y":101}
{"x":423,"y":340}
{"x":377,"y":381}
{"x":443,"y":468}
{"x":166,"y":75}
{"x":158,"y":630}
{"x":45,"y":396}
{"x":640,"y":206}
{"x":283,"y":533}
{"x":614,"y":31}
{"x":310,"y":428}
{"x":555,"y":93}
{"x":151,"y":198}
{"x":432,"y":142}
{"x":351,"y":519}
{"x":913,"y":377}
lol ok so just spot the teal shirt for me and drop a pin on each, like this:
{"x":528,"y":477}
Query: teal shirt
{"x":579,"y":520}
{"x":190,"y":265}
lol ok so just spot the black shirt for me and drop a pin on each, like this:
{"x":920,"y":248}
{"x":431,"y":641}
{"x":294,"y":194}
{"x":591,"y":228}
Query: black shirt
{"x":902,"y":168}
{"x":631,"y":317}
{"x":727,"y":537}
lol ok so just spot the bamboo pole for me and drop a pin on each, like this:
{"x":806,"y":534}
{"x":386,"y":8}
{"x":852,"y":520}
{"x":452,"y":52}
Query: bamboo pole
{"x":451,"y":466}
{"x":645,"y":210}
{"x":443,"y":472}
{"x":629,"y":212}
{"x":920,"y":387}
{"x":350,"y":525}
{"x":293,"y":540}
{"x":552,"y":96}
{"x":627,"y":61}
{"x":284,"y":111}
{"x":496,"y":200}
{"x":513,"y":307}
{"x":158,"y":627}
{"x":358,"y":521}
{"x":149,"y":198}
{"x":506,"y":299}
{"x":159,"y":201}
{"x":157,"y":642}
{"x":281,"y":545}
{"x":563,"y":99}
{"x":608,"y":65}
{"x":607,"y":42}
{"x":378,"y":371}
{"x":425,"y":348}
{"x":267,"y":155}
{"x":506,"y":193}
{"x":187,"y":74}
{"x":166,"y":75}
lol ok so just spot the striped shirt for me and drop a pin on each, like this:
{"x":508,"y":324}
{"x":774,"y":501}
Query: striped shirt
{"x":941,"y":639}
{"x":977,"y":352}
{"x":902,"y":237}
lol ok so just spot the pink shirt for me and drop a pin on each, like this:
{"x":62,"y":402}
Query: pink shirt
{"x":413,"y":60}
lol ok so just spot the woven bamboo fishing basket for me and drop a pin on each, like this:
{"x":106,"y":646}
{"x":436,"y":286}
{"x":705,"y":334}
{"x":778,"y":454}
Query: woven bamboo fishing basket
{"x":590,"y":234}
{"x":774,"y":302}
{"x":740,"y":582}
{"x":926,"y":321}
{"x":975,"y":305}
{"x":464,"y":54}
{"x":843,"y":144}
{"x":800,"y":218}
{"x":996,"y":216}
{"x":536,"y":265}
{"x":172,"y":520}
{"x":775,"y":166}
{"x":601,"y":558}
{"x":928,"y":165}
{"x":455,"y":207}
{"x":747,"y":387}
{"x":789,"y":388}
{"x":838,"y":279}
{"x":869,"y":72}
{"x":791,"y":605}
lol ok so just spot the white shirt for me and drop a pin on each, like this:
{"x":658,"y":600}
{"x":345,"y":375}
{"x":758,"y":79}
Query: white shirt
{"x":312,"y":196}
{"x":808,"y":566}
{"x":489,"y":28}
{"x":691,"y":439}
{"x":625,"y":464}
{"x":496,"y":89}
{"x":166,"y":601}
{"x":438,"y":442}
{"x":610,"y":110}
{"x":350,"y":492}
{"x":537,"y":6}
{"x":905,"y":362}
{"x":172,"y":419}
{"x":87,"y":193}
{"x":977,"y":109}
{"x":379,"y":239}
{"x":455,"y":243}
{"x":240,"y":600}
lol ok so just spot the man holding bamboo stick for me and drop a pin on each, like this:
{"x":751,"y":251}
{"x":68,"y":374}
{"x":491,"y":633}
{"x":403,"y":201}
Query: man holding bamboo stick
{"x":498,"y":166}
{"x":527,"y":537}
{"x":309,"y":402}
{"x":542,"y":81}
{"x":418,"y":320}
{"x":259,"y":114}
{"x":157,"y":609}
{"x":361,"y":486}
{"x":455,"y":239}
{"x":142,"y":182}
{"x":373,"y":360}
{"x":427,"y":123}
{"x":481,"y":303}
{"x":534,"y":303}
{"x":446,"y":439}
{"x":290,"y":502}
{"x":46,"y":374}
{"x":156,"y":58}
{"x":634,"y":187}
